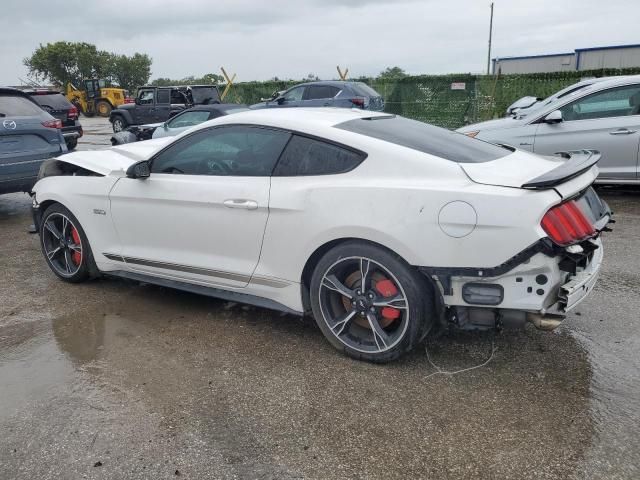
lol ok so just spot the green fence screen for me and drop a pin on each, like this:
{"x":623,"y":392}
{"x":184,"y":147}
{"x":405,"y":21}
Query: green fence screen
{"x":449,"y":101}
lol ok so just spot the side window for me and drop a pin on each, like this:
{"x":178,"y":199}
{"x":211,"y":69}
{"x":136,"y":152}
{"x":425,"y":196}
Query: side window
{"x":294,"y":95}
{"x":306,"y":156}
{"x":318,"y":92}
{"x":188,"y":119}
{"x":615,"y":102}
{"x":164,"y":96}
{"x":178,"y":97}
{"x":145,"y":97}
{"x":224,"y":151}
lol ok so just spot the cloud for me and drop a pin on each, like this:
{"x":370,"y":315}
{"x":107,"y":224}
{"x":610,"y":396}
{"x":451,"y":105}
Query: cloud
{"x":259,"y":40}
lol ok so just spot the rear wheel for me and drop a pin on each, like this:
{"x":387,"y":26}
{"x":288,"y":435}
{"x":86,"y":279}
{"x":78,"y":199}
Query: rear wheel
{"x":370,"y":303}
{"x":118,"y":124}
{"x":65,"y":245}
{"x":103,"y":108}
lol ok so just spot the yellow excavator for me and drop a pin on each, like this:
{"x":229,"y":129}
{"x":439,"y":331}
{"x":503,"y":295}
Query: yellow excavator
{"x":95,"y":98}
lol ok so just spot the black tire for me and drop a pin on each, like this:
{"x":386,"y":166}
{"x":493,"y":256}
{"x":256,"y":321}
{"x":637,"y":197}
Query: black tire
{"x":75,"y":271}
{"x":118,"y":124}
{"x":411,"y":295}
{"x":103,"y":108}
{"x":72,"y":143}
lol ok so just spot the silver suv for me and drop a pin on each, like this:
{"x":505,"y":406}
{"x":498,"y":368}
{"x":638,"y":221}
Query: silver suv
{"x":604,"y":116}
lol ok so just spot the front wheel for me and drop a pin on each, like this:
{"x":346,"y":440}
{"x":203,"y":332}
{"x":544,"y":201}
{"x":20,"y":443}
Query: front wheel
{"x":65,"y":246}
{"x":118,"y":124}
{"x":370,"y":303}
{"x":103,"y":108}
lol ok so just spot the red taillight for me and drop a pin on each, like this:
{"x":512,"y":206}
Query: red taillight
{"x":358,"y":102}
{"x":52,"y":123}
{"x":73,"y":113}
{"x":566,"y":224}
{"x":129,"y":100}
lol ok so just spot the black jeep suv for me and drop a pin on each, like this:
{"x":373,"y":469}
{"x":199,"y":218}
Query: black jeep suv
{"x":158,"y":104}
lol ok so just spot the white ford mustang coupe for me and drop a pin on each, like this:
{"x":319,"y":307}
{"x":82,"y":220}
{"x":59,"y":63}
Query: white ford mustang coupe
{"x":384,"y":228}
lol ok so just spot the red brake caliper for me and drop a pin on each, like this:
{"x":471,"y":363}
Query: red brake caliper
{"x":387,"y":289}
{"x":76,"y":256}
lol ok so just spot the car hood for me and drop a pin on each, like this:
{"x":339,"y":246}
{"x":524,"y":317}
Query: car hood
{"x":151,"y":125}
{"x":500,"y":123}
{"x":526,"y":170}
{"x":127,"y":106}
{"x":116,"y":160}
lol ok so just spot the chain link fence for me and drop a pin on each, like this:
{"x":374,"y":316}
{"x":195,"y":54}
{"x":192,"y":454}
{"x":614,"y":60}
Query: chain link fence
{"x":431,"y":98}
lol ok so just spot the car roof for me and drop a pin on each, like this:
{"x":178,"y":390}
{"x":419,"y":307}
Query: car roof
{"x":12,"y":91}
{"x":332,"y":83}
{"x":603,"y":84}
{"x":299,"y":119}
{"x":217,"y":106}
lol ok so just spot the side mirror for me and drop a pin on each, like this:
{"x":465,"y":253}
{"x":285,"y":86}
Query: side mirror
{"x":165,"y":125}
{"x":139,"y":170}
{"x":554,"y":117}
{"x":280,"y":100}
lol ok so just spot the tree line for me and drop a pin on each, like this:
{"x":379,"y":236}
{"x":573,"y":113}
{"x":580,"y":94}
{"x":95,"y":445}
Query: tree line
{"x":71,"y":62}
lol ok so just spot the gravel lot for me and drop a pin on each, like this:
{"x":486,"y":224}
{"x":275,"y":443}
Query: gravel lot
{"x":112,"y":379}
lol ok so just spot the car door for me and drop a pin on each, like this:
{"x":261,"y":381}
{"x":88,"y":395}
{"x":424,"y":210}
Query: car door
{"x":163,"y":105}
{"x":145,"y":106}
{"x":291,"y":98}
{"x":319,"y":96}
{"x":201,"y":214}
{"x":607,"y":121}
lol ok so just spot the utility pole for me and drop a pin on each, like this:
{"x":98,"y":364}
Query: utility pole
{"x":490,"y":33}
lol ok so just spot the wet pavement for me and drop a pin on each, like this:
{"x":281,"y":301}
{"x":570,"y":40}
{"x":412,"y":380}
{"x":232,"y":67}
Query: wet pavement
{"x":113,"y":379}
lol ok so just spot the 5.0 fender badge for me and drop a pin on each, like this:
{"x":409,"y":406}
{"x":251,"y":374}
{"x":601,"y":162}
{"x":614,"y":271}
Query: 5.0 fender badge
{"x":9,"y":124}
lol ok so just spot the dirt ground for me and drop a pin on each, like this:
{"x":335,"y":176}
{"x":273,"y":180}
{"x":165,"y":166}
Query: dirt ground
{"x":113,"y":379}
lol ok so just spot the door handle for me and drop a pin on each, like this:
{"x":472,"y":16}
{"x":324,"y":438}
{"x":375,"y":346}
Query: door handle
{"x":241,"y":203}
{"x":622,"y":131}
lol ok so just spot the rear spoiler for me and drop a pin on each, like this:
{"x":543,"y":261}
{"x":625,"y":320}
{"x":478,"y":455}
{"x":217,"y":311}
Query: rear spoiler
{"x":578,"y":162}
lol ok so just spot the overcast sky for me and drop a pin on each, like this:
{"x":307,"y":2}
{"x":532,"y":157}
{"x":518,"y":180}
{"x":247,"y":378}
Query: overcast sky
{"x":260,"y":39}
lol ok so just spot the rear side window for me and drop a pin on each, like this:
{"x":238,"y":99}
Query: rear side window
{"x":164,"y":96}
{"x":364,"y":90}
{"x":53,"y":101}
{"x":305,"y":156}
{"x":317,"y":92}
{"x":426,"y":138}
{"x":11,"y":106}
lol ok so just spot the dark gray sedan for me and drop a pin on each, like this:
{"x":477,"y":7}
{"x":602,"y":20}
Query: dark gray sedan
{"x":327,"y":94}
{"x":28,"y":136}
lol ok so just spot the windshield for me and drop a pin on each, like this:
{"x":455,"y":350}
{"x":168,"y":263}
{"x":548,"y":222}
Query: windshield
{"x":567,"y":92}
{"x":204,"y":95}
{"x":18,"y":106}
{"x":52,"y":101}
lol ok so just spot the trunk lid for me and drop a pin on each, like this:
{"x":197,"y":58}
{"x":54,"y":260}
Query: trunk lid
{"x":567,"y":173}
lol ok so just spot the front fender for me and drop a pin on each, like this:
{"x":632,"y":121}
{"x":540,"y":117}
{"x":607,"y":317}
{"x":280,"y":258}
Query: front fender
{"x":121,"y":113}
{"x":87,"y":198}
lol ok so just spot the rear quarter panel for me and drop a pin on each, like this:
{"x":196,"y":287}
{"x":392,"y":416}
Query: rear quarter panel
{"x":394,"y":198}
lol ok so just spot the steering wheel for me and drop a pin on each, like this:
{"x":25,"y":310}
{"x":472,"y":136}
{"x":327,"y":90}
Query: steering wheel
{"x":215,"y":167}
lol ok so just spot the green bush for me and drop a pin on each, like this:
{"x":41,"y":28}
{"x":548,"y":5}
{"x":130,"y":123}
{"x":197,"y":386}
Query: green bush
{"x":429,"y":98}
